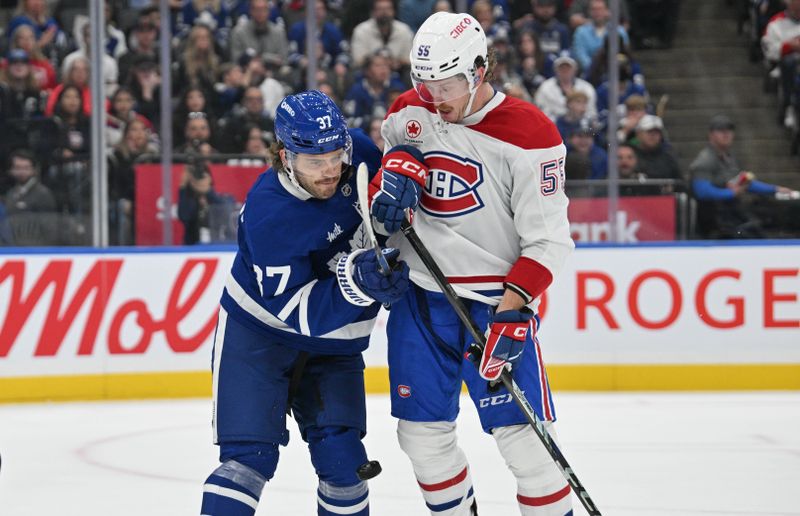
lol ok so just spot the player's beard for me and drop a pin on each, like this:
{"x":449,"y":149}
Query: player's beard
{"x":322,"y":188}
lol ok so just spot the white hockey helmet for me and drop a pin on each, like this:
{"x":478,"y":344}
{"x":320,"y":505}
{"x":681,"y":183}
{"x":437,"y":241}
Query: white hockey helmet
{"x":447,"y":45}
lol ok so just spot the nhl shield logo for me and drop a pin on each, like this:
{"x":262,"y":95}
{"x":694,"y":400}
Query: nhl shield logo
{"x":404,"y":391}
{"x":413,"y":128}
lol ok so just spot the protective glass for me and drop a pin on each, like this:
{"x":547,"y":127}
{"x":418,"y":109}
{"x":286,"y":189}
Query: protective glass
{"x":443,"y":90}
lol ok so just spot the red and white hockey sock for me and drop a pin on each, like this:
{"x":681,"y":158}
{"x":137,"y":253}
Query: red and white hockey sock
{"x":449,"y":497}
{"x":439,"y":465}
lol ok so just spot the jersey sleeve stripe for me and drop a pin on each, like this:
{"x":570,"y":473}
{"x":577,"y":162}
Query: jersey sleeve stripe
{"x":294,"y":301}
{"x":239,"y":296}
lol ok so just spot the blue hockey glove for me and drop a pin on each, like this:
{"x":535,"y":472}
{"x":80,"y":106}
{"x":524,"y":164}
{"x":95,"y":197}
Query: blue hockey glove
{"x":362,"y":282}
{"x":402,"y":178}
{"x":504,"y":342}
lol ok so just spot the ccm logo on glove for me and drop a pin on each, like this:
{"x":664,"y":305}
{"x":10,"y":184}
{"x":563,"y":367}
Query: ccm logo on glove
{"x":410,"y":168}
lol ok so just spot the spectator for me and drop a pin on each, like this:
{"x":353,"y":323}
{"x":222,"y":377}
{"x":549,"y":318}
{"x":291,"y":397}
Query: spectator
{"x":20,"y":95}
{"x":484,"y":12}
{"x":145,"y":83}
{"x":75,"y":75}
{"x":136,"y":140}
{"x":234,"y":130}
{"x":414,"y":12}
{"x":143,"y":44}
{"x":551,"y":96}
{"x":723,"y":189}
{"x":260,"y":36}
{"x":575,"y":117}
{"x":213,"y":14}
{"x":655,"y":156}
{"x":120,"y":114}
{"x":328,"y":34}
{"x":504,"y":77}
{"x":34,"y":13}
{"x":592,"y":162}
{"x":6,"y":237}
{"x":197,"y":134}
{"x":375,"y":132}
{"x":74,"y":133}
{"x":258,"y":143}
{"x":230,"y":88}
{"x":115,"y":44}
{"x":379,"y":32}
{"x":579,"y":13}
{"x":271,"y":88}
{"x":24,"y":38}
{"x":30,"y":205}
{"x":198,"y":64}
{"x":199,"y":207}
{"x":635,"y":109}
{"x":369,"y":96}
{"x":781,"y":44}
{"x":598,"y":72}
{"x":83,"y":38}
{"x":630,"y":170}
{"x":627,"y":86}
{"x":553,"y":35}
{"x":531,"y":61}
{"x":192,"y":100}
{"x":588,"y":38}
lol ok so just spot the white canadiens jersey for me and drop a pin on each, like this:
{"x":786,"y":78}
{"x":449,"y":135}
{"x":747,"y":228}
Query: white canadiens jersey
{"x":493,"y":213}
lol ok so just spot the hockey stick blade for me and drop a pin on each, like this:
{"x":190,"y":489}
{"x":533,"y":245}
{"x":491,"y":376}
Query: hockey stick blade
{"x":508,"y":381}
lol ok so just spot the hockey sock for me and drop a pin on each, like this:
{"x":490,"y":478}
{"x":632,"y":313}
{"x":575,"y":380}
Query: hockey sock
{"x":541,"y":489}
{"x":440,"y":466}
{"x":333,"y":500}
{"x":233,"y":489}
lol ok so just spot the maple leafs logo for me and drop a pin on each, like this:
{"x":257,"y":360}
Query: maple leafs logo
{"x":413,"y":128}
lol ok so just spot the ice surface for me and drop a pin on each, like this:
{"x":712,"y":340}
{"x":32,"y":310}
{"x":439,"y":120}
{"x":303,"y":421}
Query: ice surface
{"x":637,"y":454}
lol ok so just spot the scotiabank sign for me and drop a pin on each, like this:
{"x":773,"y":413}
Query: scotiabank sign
{"x":230,"y":180}
{"x":637,"y":219}
{"x":156,"y":311}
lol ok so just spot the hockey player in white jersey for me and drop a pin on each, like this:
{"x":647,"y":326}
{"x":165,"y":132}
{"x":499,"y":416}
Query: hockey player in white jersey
{"x":493,"y":212}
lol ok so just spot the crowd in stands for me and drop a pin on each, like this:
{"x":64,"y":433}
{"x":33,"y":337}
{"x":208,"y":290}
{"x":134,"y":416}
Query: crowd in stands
{"x":233,"y":60}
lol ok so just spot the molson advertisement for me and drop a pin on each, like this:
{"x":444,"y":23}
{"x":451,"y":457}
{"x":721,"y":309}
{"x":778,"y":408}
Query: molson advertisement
{"x":89,"y":325}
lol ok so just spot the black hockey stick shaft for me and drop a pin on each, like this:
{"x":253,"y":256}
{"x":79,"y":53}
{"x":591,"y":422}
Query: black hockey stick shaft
{"x":508,"y":381}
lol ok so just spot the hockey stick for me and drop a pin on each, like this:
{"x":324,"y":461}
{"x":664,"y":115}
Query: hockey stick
{"x":362,"y":188}
{"x":476,"y":349}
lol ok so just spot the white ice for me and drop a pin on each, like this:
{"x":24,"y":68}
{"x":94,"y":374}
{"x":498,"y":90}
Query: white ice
{"x":637,"y":454}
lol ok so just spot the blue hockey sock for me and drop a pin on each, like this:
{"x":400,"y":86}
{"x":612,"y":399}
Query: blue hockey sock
{"x":233,"y":489}
{"x":333,"y":500}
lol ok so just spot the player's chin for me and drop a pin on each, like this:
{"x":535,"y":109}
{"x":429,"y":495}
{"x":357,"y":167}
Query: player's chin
{"x":325,"y":189}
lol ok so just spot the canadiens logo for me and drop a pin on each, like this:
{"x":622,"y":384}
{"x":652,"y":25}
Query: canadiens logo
{"x":413,"y":128}
{"x":452,"y":187}
{"x":404,"y":391}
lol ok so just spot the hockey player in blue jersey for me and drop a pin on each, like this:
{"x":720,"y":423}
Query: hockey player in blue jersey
{"x":296,"y":313}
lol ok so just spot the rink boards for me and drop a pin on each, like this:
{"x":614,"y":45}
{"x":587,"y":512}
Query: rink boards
{"x":136,"y":323}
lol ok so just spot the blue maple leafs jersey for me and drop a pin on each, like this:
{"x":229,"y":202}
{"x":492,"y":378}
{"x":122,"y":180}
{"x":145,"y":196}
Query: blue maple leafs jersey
{"x":282,"y":282}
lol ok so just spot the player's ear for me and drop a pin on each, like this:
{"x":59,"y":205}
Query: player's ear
{"x":282,"y":154}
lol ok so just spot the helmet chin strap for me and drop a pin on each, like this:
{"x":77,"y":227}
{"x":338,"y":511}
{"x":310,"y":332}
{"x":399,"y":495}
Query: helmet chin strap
{"x":473,"y":91}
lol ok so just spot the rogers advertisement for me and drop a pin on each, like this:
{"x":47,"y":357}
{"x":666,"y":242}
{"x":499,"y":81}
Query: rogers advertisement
{"x":99,"y":313}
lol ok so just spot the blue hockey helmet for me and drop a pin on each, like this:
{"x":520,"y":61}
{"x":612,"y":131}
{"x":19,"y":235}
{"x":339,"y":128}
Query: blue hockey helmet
{"x":310,"y":123}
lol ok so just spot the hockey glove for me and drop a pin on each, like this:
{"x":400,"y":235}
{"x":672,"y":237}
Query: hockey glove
{"x":402,"y":179}
{"x":369,"y":278}
{"x":504,"y":342}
